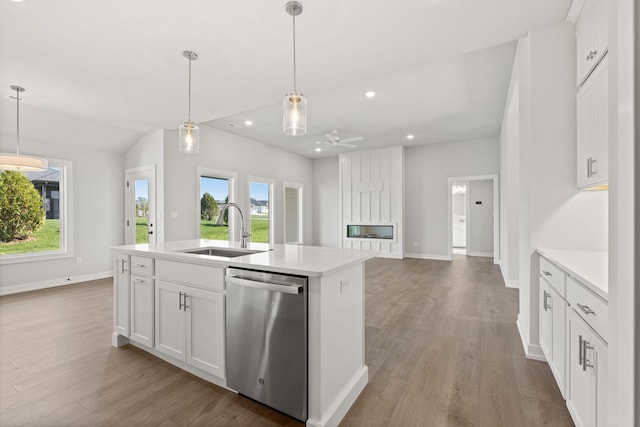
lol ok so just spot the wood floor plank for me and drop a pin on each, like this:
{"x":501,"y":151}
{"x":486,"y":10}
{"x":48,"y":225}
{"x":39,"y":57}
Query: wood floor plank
{"x":441,"y":346}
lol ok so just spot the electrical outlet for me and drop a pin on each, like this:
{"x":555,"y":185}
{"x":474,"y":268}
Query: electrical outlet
{"x":344,"y":286}
{"x":173,"y":215}
{"x":79,"y":260}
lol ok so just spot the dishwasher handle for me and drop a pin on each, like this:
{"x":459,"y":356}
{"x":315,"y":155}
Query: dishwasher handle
{"x":287,"y":289}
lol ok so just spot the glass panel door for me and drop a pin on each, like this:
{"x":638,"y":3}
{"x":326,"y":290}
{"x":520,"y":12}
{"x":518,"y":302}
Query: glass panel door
{"x":140,"y":208}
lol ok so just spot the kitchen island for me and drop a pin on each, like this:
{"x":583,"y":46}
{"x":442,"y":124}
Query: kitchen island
{"x":169,"y":300}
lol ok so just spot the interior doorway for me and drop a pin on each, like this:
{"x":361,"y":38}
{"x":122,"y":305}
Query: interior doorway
{"x":474,"y":223}
{"x":459,"y":208}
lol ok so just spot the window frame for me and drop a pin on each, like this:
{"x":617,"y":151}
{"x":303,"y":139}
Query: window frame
{"x":232,"y":177}
{"x":66,"y":220}
{"x":300,"y":188}
{"x":271,"y":183}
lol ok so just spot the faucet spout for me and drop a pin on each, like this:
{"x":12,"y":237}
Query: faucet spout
{"x":245,"y":235}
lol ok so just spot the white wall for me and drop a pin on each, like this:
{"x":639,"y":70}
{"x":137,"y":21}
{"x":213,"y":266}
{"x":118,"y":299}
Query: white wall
{"x":326,"y":202}
{"x":223,"y":151}
{"x":480,"y":218}
{"x":624,"y":185}
{"x":552,"y":213}
{"x":510,"y":187}
{"x":427,"y":170}
{"x":97,"y":219}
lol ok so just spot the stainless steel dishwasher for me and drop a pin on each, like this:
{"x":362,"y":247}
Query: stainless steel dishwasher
{"x":266,"y":342}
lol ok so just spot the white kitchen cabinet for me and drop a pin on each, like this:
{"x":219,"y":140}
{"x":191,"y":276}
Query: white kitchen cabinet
{"x":121,"y":312}
{"x":552,"y":331}
{"x":591,"y":37}
{"x":553,"y":308}
{"x":142,"y":302}
{"x":189,"y":326}
{"x":593,"y":128}
{"x":587,"y":388}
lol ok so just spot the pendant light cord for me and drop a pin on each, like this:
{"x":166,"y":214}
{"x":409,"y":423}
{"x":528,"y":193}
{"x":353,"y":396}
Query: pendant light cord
{"x":17,"y":122}
{"x":294,"y":55}
{"x":189,"y":109}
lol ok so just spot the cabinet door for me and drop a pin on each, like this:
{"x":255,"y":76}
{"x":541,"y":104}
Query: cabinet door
{"x":586,"y":39}
{"x":546,"y":320}
{"x":205,"y":331}
{"x":170,"y":320}
{"x":587,"y":130}
{"x":601,"y":368}
{"x":581,"y":387}
{"x":559,"y":309}
{"x":601,"y":167}
{"x":121,"y":295}
{"x":142,"y":310}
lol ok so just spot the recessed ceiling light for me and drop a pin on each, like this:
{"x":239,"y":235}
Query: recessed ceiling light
{"x":248,"y":122}
{"x":318,"y":150}
{"x":410,"y":137}
{"x":370,"y":94}
{"x":17,"y":1}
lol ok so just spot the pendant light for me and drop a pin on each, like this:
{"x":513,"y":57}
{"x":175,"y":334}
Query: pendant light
{"x":17,"y":162}
{"x":189,"y":132}
{"x":294,"y":117}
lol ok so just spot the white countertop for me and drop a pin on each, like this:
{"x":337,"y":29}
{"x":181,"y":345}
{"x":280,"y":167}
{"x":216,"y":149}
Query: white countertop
{"x":292,"y":259}
{"x":591,"y":268}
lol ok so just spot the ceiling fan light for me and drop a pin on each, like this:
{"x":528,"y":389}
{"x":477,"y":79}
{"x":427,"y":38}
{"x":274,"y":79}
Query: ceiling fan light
{"x":189,"y":138}
{"x":13,"y":162}
{"x":294,"y":119}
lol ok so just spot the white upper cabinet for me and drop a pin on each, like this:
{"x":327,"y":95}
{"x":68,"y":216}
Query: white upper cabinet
{"x":592,"y":36}
{"x":593,"y":128}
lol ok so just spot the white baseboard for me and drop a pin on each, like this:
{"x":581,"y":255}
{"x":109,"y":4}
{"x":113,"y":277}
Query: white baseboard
{"x":341,"y":405}
{"x":482,"y":254}
{"x":34,"y":286}
{"x":515,"y":284}
{"x":428,"y":256}
{"x":533,"y":352}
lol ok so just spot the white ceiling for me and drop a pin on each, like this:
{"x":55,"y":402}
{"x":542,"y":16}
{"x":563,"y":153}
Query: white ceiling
{"x":100,"y":74}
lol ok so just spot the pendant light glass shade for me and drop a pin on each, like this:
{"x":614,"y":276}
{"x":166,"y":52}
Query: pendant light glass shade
{"x":295,"y":114}
{"x":189,"y":138}
{"x":294,"y":108}
{"x":16,"y":162}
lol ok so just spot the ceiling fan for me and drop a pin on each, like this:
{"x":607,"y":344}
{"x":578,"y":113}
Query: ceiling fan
{"x":334,"y":140}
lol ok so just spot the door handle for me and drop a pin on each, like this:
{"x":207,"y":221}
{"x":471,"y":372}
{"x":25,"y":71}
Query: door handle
{"x":151,"y":232}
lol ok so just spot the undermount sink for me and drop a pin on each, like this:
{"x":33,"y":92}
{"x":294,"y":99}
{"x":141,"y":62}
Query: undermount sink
{"x":221,"y":252}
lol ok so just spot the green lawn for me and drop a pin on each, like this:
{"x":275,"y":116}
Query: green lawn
{"x":259,"y":230}
{"x":45,"y":239}
{"x":142,"y":229}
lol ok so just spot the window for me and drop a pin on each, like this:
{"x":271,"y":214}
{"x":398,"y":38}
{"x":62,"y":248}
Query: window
{"x":261,"y":209}
{"x":53,"y":239}
{"x":292,"y":213}
{"x":215,"y":189}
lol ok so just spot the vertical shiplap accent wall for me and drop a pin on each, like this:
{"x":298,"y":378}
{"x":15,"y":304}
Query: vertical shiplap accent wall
{"x":372,"y":192}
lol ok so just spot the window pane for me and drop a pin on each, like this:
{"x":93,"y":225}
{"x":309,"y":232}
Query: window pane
{"x":260,"y":204}
{"x":142,"y":210}
{"x":47,"y":236}
{"x":214,"y":192}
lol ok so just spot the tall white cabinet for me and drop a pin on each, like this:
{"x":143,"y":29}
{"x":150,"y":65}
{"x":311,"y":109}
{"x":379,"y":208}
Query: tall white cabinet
{"x":592,"y":103}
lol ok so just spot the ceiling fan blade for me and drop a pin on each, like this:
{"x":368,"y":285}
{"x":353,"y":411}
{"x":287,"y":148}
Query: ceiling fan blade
{"x":342,"y":144}
{"x":354,"y":139}
{"x":330,"y":137}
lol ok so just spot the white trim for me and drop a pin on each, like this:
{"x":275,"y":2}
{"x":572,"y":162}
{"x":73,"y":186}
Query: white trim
{"x":66,"y":220}
{"x":271,"y":183}
{"x":232,"y":177}
{"x":133,"y":174}
{"x":300,"y":188}
{"x":428,"y":256}
{"x":343,"y":402}
{"x":480,"y":254}
{"x":533,"y":352}
{"x":575,"y":10}
{"x":514,"y":284}
{"x":45,"y":284}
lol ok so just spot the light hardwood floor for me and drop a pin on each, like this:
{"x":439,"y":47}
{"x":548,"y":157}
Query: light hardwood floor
{"x":441,"y":346}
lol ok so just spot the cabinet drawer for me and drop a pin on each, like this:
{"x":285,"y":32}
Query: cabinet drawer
{"x":201,"y":276}
{"x":590,"y":307}
{"x":141,"y":266}
{"x":554,"y":276}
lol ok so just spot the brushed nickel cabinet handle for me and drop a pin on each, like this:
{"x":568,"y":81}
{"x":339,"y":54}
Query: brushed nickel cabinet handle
{"x":138,"y":265}
{"x":544,"y":303}
{"x":586,"y":363}
{"x":580,"y":349}
{"x":546,"y":273}
{"x":585,"y":309}
{"x":138,"y":281}
{"x":122,"y":264}
{"x":180,"y":305}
